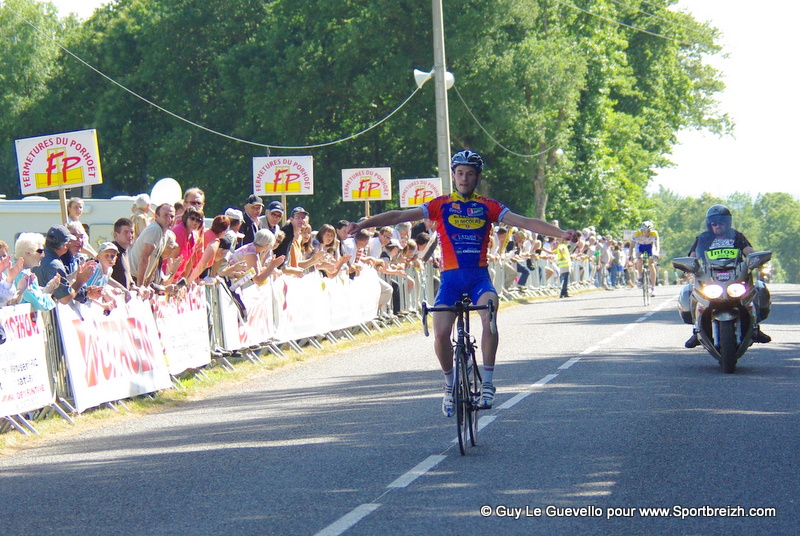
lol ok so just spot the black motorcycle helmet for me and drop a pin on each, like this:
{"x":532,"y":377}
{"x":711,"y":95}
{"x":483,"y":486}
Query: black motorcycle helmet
{"x":718,"y":214}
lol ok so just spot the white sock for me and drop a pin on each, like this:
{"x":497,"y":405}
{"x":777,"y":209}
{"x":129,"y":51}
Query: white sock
{"x":449,"y":377}
{"x":487,"y":374}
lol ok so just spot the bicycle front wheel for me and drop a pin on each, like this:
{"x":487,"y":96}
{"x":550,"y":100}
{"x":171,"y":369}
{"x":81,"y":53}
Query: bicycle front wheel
{"x":646,"y":284}
{"x":475,"y":392}
{"x":462,"y":399}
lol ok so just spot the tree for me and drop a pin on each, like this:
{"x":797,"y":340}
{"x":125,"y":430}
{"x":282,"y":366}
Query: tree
{"x":29,"y":31}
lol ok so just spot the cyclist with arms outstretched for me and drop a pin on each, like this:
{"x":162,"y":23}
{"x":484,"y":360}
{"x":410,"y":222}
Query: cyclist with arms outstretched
{"x":646,"y":239}
{"x":464,"y":223}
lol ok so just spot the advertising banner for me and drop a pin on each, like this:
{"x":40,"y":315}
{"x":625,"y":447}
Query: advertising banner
{"x":259,"y":325}
{"x":367,"y":184}
{"x":111,"y":357}
{"x":58,"y":161}
{"x":414,"y":192}
{"x":183,"y":327}
{"x":24,"y":380}
{"x":283,"y":175}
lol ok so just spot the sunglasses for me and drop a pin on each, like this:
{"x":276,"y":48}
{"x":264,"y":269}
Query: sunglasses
{"x":717,"y":224}
{"x":196,"y":218}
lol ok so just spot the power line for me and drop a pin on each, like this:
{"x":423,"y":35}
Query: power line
{"x":202,"y":127}
{"x":622,"y":23}
{"x":671,"y":22}
{"x":492,"y":137}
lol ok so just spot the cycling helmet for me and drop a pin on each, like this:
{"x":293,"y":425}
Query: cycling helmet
{"x":647,"y":226}
{"x":718,"y":214}
{"x":465,"y":157}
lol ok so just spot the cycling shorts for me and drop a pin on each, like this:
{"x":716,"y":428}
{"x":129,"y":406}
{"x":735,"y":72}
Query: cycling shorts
{"x":642,"y":248}
{"x":455,"y":283}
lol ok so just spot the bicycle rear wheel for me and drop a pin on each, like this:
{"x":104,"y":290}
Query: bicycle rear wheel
{"x":463,"y":400}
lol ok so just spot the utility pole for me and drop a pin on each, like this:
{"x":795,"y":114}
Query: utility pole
{"x":442,"y":111}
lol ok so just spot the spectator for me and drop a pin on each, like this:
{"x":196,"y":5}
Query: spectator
{"x":106,"y":258}
{"x":302,"y":255}
{"x":252,"y":210}
{"x":296,"y":263}
{"x":289,"y":231}
{"x":74,"y":213}
{"x":332,"y":260}
{"x":522,"y":252}
{"x":211,"y":239}
{"x":613,"y":266}
{"x":29,"y":249}
{"x":8,"y":290}
{"x":145,"y":254}
{"x":169,"y":262}
{"x":503,"y":253}
{"x":402,"y":232}
{"x":189,"y":235}
{"x":236,"y":218}
{"x":69,"y":288}
{"x":272,"y":219}
{"x":257,"y":256}
{"x":564,"y":263}
{"x":73,"y":258}
{"x":392,"y":265}
{"x":179,"y":208}
{"x":123,"y":238}
{"x":379,"y":241}
{"x":423,"y":226}
{"x":341,"y":234}
{"x":141,"y":214}
{"x":194,"y":197}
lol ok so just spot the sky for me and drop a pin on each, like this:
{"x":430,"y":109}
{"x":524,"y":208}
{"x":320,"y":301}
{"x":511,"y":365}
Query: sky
{"x":760,"y":75}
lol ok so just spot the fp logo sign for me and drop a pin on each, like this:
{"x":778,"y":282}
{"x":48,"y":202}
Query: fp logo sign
{"x":371,"y":184}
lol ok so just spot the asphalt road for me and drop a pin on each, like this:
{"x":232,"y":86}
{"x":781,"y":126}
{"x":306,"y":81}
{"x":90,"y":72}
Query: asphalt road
{"x":600,"y":414}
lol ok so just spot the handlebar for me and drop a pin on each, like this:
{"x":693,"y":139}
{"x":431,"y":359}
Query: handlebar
{"x":459,"y":307}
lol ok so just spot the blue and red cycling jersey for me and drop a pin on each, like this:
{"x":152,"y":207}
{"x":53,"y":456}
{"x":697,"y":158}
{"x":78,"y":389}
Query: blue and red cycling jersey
{"x":464,"y":226}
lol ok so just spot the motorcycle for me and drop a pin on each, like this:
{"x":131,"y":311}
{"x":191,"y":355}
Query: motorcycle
{"x":724,"y":303}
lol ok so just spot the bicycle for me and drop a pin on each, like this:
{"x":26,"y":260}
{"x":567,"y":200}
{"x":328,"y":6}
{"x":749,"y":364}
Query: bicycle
{"x":646,"y":286}
{"x":467,"y":380}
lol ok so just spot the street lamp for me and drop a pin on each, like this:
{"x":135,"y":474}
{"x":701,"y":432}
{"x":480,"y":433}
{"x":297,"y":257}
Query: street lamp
{"x":443,"y":83}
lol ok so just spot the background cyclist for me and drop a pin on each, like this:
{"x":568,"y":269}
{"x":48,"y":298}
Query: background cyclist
{"x":464,"y":221}
{"x":646,"y":239}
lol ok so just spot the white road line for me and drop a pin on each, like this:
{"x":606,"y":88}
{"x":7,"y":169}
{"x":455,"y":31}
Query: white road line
{"x":569,"y":363}
{"x":345,"y":522}
{"x":589,"y":350}
{"x":423,"y":467}
{"x":544,"y":381}
{"x":485,"y":421}
{"x":519,"y":397}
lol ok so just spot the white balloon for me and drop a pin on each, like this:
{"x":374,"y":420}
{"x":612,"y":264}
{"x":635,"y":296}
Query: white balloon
{"x":166,"y":190}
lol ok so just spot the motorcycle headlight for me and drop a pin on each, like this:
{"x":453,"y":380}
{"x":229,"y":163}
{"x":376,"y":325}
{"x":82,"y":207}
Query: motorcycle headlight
{"x":712,"y":291}
{"x":736,"y":290}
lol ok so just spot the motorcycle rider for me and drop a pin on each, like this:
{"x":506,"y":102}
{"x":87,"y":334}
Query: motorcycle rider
{"x":720,"y":235}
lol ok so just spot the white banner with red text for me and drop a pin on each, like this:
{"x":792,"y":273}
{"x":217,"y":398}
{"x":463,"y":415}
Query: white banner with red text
{"x":183,"y":327}
{"x":24,"y":381}
{"x":111,"y":357}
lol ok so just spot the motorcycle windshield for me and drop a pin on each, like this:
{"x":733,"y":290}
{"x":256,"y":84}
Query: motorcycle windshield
{"x":722,"y":258}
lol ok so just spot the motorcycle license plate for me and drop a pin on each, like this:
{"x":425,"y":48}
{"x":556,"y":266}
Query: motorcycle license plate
{"x":723,"y":276}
